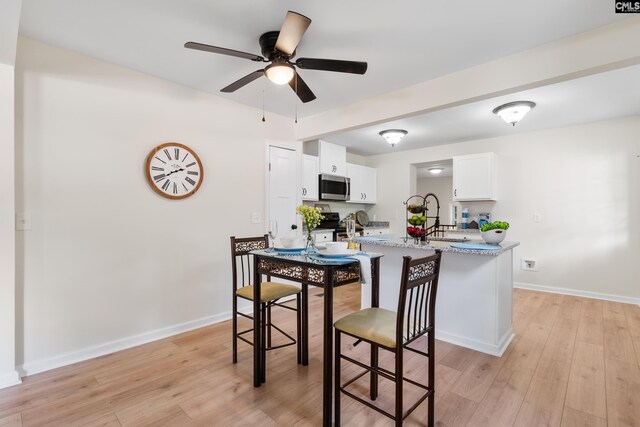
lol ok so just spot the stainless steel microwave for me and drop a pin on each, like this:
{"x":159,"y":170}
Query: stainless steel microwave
{"x":334,"y":187}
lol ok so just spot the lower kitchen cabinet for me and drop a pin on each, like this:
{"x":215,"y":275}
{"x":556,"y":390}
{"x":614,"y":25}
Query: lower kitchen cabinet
{"x":323,"y":236}
{"x":376,"y":231}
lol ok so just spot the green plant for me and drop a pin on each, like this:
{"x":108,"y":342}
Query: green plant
{"x":495,"y":225}
{"x":310,"y":216}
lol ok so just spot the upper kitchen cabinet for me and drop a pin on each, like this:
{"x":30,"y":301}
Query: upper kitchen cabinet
{"x":364,"y":184}
{"x":475,"y":177}
{"x":333,"y":158}
{"x":309,"y":177}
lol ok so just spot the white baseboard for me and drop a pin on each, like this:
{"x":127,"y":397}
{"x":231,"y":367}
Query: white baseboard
{"x":492,"y":349}
{"x":577,"y":293}
{"x":9,"y":379}
{"x":125,"y":343}
{"x":116,"y":345}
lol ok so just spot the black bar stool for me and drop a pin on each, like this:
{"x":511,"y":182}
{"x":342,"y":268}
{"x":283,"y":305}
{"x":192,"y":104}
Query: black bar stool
{"x":394,"y":331}
{"x":271,"y":293}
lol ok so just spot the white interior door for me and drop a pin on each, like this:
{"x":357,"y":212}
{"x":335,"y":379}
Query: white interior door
{"x":283,"y":185}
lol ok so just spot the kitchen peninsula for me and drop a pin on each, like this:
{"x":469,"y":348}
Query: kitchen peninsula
{"x":474,"y":299}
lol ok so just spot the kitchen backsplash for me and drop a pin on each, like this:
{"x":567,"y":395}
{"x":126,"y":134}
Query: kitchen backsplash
{"x":344,"y":208}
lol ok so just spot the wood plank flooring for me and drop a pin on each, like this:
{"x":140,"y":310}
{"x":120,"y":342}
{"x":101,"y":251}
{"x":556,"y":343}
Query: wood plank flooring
{"x":574,"y":362}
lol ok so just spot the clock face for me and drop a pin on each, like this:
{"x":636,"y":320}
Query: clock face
{"x":174,"y":170}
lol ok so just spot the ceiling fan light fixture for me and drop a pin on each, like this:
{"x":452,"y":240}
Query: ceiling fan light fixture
{"x":279,"y":73}
{"x":513,"y":112}
{"x":435,"y":171}
{"x":393,"y":136}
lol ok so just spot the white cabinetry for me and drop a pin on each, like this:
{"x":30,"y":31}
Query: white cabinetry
{"x":474,"y":177}
{"x":323,"y":236}
{"x":333,"y":158}
{"x":309,"y":177}
{"x":376,"y":231}
{"x":364,"y":184}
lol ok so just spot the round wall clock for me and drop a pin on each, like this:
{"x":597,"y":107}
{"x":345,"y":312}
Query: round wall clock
{"x":174,"y":170}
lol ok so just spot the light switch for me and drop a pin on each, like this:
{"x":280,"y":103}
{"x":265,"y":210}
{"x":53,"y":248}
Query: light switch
{"x":23,"y":221}
{"x":537,"y":217}
{"x":255,"y":218}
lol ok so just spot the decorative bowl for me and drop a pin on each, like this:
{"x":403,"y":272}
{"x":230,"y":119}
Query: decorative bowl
{"x":336,"y":247}
{"x":416,"y":231}
{"x":416,"y":209}
{"x":493,"y":236}
{"x":291,"y":242}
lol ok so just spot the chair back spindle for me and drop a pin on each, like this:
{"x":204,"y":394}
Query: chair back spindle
{"x":416,"y":305}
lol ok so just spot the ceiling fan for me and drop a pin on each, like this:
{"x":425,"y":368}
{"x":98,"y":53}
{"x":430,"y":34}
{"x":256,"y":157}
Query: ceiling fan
{"x":279,"y":48}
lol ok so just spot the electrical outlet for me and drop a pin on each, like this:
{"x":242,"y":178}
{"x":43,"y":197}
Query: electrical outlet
{"x":255,"y":218}
{"x":529,"y":264}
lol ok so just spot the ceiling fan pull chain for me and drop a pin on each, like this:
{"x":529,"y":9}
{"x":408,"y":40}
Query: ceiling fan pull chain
{"x":263,"y":104}
{"x":296,"y":99}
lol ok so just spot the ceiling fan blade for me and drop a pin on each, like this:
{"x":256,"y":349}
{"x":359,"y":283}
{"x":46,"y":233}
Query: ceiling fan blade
{"x":337,"y":65}
{"x":291,"y":33}
{"x":301,"y":89}
{"x":224,"y":51}
{"x":243,"y":81}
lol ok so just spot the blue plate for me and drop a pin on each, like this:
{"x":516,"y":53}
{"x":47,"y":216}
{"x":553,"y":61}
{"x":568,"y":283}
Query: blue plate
{"x":289,"y":250}
{"x":476,"y":246}
{"x":340,"y":260}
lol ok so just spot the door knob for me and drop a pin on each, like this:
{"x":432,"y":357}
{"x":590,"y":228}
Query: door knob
{"x":294,"y":227}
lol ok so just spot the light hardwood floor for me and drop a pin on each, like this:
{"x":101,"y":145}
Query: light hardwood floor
{"x":574,"y":362}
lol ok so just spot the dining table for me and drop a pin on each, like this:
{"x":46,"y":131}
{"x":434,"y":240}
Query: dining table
{"x":327,"y":272}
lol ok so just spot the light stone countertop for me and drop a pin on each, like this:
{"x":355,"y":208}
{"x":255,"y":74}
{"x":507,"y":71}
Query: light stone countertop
{"x":433,"y":245}
{"x":465,"y":230}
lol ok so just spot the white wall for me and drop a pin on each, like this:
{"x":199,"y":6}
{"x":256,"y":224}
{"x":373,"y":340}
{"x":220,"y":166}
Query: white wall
{"x":9,"y":19}
{"x":7,"y":229}
{"x":583,"y":180}
{"x":442,"y":187}
{"x":109,"y":262}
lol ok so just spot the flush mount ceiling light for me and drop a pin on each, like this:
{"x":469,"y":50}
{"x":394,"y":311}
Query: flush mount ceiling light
{"x":393,"y":136}
{"x":279,"y":73}
{"x":435,"y":171}
{"x":513,"y":112}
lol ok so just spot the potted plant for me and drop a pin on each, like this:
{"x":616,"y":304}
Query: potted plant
{"x":494,"y":232}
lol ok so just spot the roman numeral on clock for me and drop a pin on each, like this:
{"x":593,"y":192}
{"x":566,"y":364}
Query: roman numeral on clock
{"x":185,"y":187}
{"x":156,"y":168}
{"x":190,"y":181}
{"x":175,"y":188}
{"x":185,"y":156}
{"x":166,"y":152}
{"x":176,"y":151}
{"x":165,"y":185}
{"x":191,"y":164}
{"x":158,"y":158}
{"x":192,"y":172}
{"x":158,"y":177}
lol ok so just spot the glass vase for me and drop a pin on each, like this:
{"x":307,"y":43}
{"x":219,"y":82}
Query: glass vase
{"x":310,"y":244}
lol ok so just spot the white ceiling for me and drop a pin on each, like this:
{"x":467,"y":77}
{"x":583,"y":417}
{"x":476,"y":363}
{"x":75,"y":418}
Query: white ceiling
{"x":597,"y":97}
{"x":445,"y":165}
{"x":404,"y":42}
